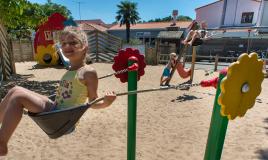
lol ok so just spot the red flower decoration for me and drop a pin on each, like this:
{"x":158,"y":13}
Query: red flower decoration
{"x":121,"y":62}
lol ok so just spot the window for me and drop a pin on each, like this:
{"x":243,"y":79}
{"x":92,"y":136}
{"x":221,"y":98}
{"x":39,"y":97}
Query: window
{"x":139,"y":34}
{"x":146,"y":34}
{"x":247,"y":17}
{"x":48,"y":35}
{"x":143,"y":34}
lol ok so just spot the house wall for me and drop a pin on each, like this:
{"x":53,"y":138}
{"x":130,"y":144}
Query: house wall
{"x":262,"y":19}
{"x":213,"y":13}
{"x":136,"y":33}
{"x":235,"y":8}
{"x":205,"y":14}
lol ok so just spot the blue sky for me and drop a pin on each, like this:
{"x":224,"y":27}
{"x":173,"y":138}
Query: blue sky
{"x":148,"y":9}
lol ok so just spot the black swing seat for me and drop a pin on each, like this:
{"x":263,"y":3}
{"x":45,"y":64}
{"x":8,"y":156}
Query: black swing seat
{"x":58,"y":122}
{"x":198,"y":42}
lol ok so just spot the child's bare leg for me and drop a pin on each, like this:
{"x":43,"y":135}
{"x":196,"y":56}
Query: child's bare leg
{"x":21,"y":98}
{"x":4,"y":102}
{"x":164,"y":80}
{"x":188,"y":37}
{"x":161,"y":79}
{"x":195,"y":35}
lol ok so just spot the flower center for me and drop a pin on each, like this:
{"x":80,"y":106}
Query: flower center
{"x":245,"y":87}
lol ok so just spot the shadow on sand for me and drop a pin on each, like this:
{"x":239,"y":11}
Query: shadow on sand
{"x":262,"y":154}
{"x":37,"y":66}
{"x":45,"y":88}
{"x":185,"y":97}
{"x":266,"y":127}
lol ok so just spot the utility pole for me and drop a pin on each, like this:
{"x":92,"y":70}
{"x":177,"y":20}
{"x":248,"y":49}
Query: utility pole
{"x":79,"y":11}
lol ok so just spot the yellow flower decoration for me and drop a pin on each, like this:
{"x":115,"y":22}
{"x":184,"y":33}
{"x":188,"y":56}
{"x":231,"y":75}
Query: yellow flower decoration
{"x":241,"y":86}
{"x":46,"y":55}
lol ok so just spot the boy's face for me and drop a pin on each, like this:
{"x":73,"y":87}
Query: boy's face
{"x":204,"y":25}
{"x":72,"y":47}
{"x":173,"y":57}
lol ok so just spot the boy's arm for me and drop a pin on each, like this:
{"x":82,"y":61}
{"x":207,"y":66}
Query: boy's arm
{"x":173,"y":62}
{"x":207,"y":36}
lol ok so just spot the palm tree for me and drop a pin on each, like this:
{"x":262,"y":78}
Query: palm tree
{"x":127,"y":14}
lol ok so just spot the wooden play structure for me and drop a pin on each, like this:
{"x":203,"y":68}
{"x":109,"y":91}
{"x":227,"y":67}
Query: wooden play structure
{"x":44,"y":41}
{"x":103,"y":46}
{"x":184,"y":73}
{"x":168,"y":42}
{"x":7,"y":65}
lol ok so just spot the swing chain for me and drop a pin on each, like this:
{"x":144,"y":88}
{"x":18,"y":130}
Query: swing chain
{"x":186,"y":85}
{"x":180,"y":86}
{"x":121,"y":71}
{"x":115,"y":73}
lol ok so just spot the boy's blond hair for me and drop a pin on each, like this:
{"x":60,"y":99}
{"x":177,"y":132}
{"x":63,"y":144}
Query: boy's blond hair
{"x":172,"y":54}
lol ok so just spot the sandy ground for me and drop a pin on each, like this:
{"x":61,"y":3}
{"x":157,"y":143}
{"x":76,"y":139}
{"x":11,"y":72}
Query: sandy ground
{"x":171,"y":125}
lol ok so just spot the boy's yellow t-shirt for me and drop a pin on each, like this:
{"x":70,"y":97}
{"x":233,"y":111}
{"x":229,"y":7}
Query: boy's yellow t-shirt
{"x":71,"y":92}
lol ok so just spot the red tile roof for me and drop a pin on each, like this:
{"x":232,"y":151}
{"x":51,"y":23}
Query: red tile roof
{"x":86,"y":26}
{"x":95,"y":21}
{"x":152,"y":25}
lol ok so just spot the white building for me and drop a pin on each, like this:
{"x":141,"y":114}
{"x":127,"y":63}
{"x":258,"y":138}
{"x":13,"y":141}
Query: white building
{"x":239,"y":25}
{"x":262,"y":19}
{"x":234,"y":13}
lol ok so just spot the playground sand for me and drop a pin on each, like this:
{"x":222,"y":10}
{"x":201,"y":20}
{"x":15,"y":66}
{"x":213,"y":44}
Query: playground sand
{"x":171,"y":125}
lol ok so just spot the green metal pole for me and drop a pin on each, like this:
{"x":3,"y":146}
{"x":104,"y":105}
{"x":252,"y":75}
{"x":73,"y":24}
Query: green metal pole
{"x":132,"y":112}
{"x":217,"y":130}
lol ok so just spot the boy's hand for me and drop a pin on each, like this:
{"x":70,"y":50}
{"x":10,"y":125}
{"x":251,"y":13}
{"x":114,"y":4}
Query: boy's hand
{"x":109,"y":98}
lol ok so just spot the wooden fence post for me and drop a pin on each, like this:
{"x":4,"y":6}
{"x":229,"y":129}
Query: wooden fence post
{"x":33,"y":50}
{"x":184,"y":59}
{"x":97,"y":49}
{"x":2,"y":58}
{"x":11,"y":56}
{"x":216,"y":62}
{"x":21,"y":51}
{"x":193,"y":63}
{"x":1,"y":63}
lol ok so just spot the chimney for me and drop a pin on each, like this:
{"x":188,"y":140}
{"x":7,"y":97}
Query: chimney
{"x":174,"y":17}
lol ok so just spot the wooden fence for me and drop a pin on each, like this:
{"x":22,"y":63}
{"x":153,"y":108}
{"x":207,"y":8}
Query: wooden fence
{"x":150,"y":55}
{"x":103,"y":46}
{"x":217,"y":58}
{"x":22,"y":50}
{"x":7,"y":65}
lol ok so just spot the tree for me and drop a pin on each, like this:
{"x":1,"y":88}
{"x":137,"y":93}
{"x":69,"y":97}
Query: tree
{"x":169,"y":18}
{"x":127,"y":14}
{"x":22,"y":17}
{"x":184,"y":18}
{"x":50,"y":8}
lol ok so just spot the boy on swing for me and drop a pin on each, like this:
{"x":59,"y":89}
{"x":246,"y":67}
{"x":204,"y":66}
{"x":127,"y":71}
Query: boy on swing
{"x":196,"y":36}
